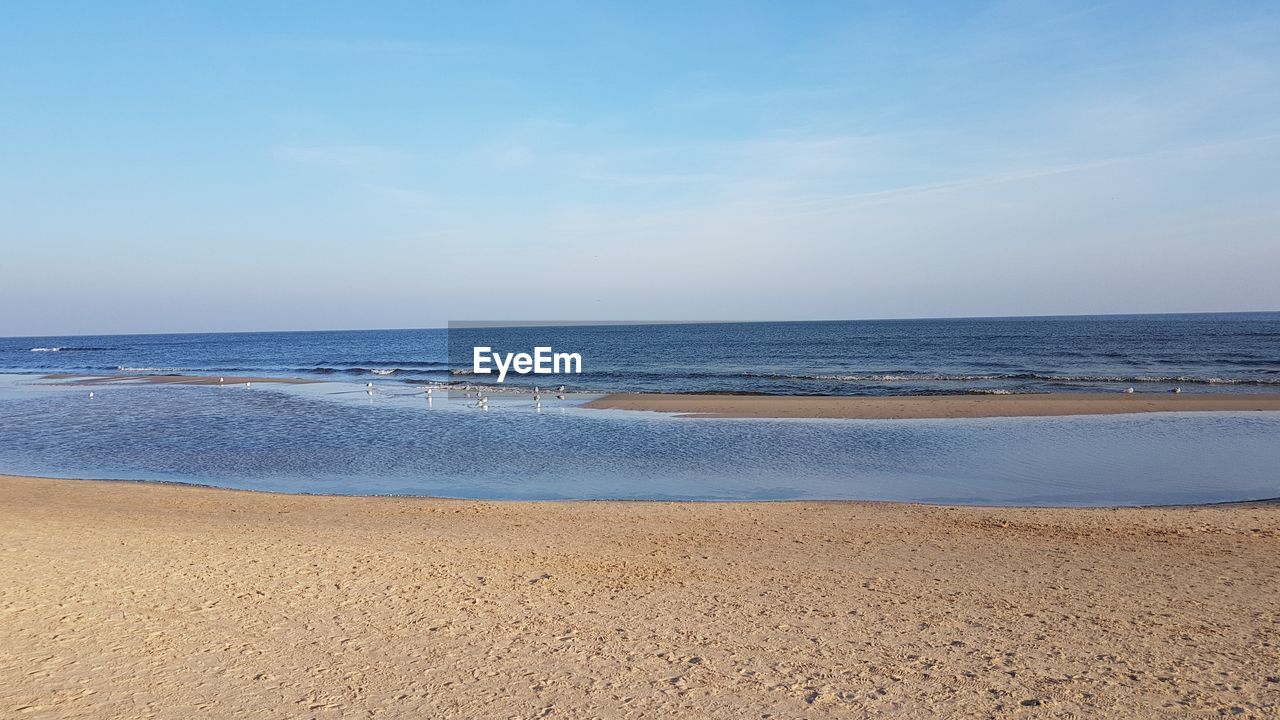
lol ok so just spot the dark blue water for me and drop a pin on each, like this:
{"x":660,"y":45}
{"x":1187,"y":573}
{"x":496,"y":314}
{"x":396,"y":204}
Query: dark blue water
{"x":335,"y":438}
{"x":1210,"y":352}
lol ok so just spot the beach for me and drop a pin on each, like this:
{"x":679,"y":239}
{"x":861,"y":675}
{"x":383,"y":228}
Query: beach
{"x":126,"y":599}
{"x":933,"y":406}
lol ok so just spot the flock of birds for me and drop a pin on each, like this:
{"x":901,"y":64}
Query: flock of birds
{"x":482,"y":402}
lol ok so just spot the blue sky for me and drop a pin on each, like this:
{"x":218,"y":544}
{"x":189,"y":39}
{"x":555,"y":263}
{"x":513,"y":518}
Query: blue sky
{"x":224,"y":166}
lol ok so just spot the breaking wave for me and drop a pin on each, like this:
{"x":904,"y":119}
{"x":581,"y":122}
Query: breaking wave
{"x":995,"y":377}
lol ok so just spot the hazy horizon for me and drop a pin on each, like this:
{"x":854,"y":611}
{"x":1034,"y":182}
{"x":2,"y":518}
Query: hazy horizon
{"x":623,"y":323}
{"x":242,"y":167}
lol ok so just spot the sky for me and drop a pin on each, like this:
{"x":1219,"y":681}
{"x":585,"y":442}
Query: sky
{"x":183,"y":167}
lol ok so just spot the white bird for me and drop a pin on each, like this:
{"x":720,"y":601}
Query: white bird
{"x":428,"y":392}
{"x":535,"y":390}
{"x":91,"y":395}
{"x":1128,"y":390}
{"x":560,"y":389}
{"x":368,"y":384}
{"x":220,"y":380}
{"x":1177,"y":390}
{"x":246,"y":384}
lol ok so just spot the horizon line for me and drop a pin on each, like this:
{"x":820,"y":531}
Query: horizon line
{"x":633,"y":323}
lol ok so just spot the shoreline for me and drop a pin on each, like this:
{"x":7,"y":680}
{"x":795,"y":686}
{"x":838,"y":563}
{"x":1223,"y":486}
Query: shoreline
{"x":124,"y":596}
{"x":933,"y":406}
{"x":817,"y":407}
{"x":1264,"y":501}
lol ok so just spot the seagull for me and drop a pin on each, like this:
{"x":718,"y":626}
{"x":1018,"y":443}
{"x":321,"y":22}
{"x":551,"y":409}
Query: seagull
{"x":1176,"y":390}
{"x":428,"y":392}
{"x":90,"y":394}
{"x":246,"y":384}
{"x":560,"y":390}
{"x":220,"y":380}
{"x":368,"y":384}
{"x":1128,"y":390}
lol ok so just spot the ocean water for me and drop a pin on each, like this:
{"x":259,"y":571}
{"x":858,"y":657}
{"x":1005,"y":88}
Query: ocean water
{"x":334,"y":437}
{"x":1237,"y":352}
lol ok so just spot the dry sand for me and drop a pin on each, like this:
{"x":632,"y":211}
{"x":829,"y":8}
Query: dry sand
{"x":135,"y":600}
{"x":933,"y":406}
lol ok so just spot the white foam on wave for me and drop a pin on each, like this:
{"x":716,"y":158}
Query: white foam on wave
{"x":1047,"y":377}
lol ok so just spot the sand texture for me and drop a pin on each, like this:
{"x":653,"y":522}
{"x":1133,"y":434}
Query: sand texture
{"x":934,"y":406}
{"x":134,"y":600}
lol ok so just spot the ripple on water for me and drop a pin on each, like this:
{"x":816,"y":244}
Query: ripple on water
{"x":334,"y":438}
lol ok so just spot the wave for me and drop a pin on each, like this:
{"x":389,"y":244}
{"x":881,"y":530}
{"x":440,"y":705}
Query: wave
{"x":357,"y":370}
{"x":353,"y":370}
{"x":411,"y":364}
{"x":285,"y":371}
{"x":68,"y":349}
{"x":917,"y":377}
{"x":1046,"y":377}
{"x":730,"y":378}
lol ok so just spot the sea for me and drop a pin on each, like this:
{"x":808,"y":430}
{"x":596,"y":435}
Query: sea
{"x":338,"y":435}
{"x":1208,"y":352}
